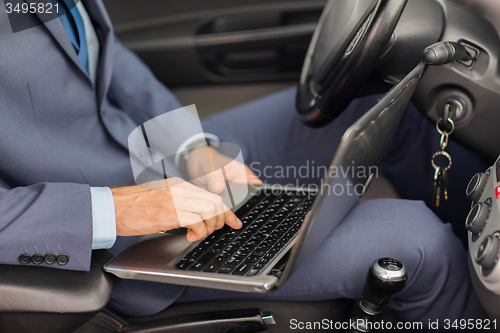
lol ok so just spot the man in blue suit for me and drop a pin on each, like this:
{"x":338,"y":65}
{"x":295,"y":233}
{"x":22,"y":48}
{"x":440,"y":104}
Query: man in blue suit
{"x":70,"y":94}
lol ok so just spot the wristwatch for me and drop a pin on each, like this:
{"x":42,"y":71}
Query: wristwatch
{"x":196,"y":141}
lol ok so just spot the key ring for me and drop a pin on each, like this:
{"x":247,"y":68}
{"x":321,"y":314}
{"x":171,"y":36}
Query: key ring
{"x":443,"y":142}
{"x":445,"y":132}
{"x":445,"y":154}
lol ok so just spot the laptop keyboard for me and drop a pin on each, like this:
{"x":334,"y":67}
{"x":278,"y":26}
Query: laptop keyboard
{"x":270,"y":220}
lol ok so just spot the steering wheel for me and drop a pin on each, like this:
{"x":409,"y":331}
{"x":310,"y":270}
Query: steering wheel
{"x":349,"y":39}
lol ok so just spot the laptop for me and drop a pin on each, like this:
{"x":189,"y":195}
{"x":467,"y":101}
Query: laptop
{"x":282,"y":227}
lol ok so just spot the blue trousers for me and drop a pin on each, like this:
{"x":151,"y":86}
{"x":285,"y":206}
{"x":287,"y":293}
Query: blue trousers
{"x":271,"y":135}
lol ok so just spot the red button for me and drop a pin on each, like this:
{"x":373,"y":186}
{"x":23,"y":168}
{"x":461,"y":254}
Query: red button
{"x":497,"y":191}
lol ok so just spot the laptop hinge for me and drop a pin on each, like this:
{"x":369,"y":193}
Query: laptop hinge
{"x":278,"y":269}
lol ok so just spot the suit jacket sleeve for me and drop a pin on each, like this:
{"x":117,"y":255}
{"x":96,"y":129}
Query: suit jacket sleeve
{"x":59,"y":214}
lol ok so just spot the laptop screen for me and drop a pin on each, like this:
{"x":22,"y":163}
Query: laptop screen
{"x":354,"y":165}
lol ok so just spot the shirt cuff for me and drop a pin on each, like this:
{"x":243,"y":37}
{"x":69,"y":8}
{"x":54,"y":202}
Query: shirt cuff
{"x":103,"y":218}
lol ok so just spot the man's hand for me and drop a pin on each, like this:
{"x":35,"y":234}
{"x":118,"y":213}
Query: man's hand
{"x":204,"y":164}
{"x":165,"y":205}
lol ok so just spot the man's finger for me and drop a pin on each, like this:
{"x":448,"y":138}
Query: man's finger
{"x":239,"y":173}
{"x":251,"y":177}
{"x":216,"y":182}
{"x":196,"y":232}
{"x":221,"y":219}
{"x":232,"y":220}
{"x":211,"y":223}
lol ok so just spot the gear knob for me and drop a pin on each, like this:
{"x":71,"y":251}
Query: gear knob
{"x":386,"y":277}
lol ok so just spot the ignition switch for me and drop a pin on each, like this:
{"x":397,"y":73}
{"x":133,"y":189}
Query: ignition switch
{"x":454,"y":109}
{"x":455,"y":105}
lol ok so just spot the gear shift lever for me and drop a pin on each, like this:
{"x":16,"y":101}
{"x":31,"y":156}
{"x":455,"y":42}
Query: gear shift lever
{"x":386,"y":277}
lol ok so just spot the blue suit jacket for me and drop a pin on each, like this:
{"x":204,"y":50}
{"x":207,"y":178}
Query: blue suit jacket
{"x":60,"y":134}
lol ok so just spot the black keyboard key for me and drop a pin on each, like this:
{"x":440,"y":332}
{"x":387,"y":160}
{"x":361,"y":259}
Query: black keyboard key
{"x":215,"y":264}
{"x":201,"y":248}
{"x":265,"y":248}
{"x":253,"y":272}
{"x":220,"y":247}
{"x":262,"y":234}
{"x":252,"y":258}
{"x":266,"y":215}
{"x":198,"y":266}
{"x":212,"y":238}
{"x":246,"y":249}
{"x":268,"y":228}
{"x":254,"y":226}
{"x":282,"y":229}
{"x":241,"y":253}
{"x":236,"y":260}
{"x":194,"y":254}
{"x":264,"y":260}
{"x":270,"y":255}
{"x":266,"y":244}
{"x":211,"y":268}
{"x":227,"y":268}
{"x":225,"y":254}
{"x":248,"y":232}
{"x":281,"y":244}
{"x":244,"y":237}
{"x":203,"y":262}
{"x":184,"y":265}
{"x":275,"y":221}
{"x":215,"y":249}
{"x":259,"y":266}
{"x":227,"y":238}
{"x":259,"y":221}
{"x":275,"y":249}
{"x":280,"y":216}
{"x":259,"y":252}
{"x":238,"y":242}
{"x":250,"y":217}
{"x":243,"y":269}
{"x":274,"y":237}
{"x":228,"y":252}
{"x":252,"y":242}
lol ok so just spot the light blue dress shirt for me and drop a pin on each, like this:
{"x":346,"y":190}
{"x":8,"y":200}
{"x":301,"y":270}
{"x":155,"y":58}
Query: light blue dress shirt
{"x":103,"y":207}
{"x":103,"y":218}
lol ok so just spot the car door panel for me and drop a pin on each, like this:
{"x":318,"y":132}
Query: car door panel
{"x":223,"y":41}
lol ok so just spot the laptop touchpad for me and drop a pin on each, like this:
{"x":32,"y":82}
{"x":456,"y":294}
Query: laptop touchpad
{"x":153,"y":251}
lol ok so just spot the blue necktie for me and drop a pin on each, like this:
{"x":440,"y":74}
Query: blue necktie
{"x":76,"y":36}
